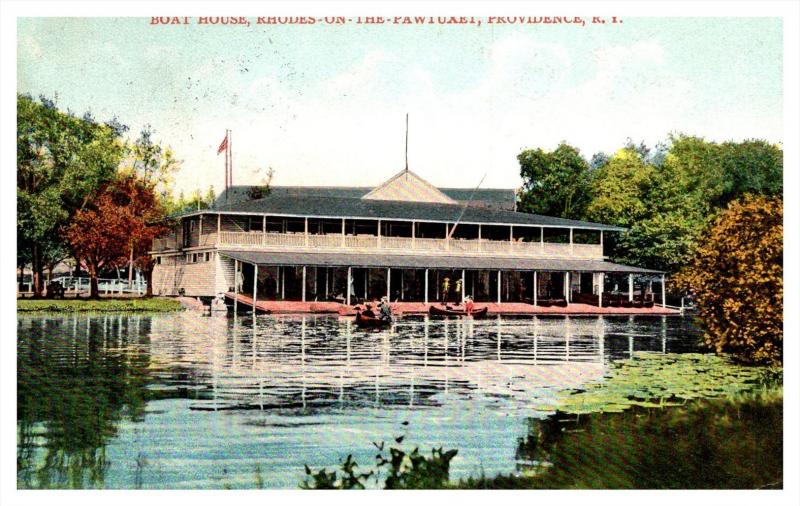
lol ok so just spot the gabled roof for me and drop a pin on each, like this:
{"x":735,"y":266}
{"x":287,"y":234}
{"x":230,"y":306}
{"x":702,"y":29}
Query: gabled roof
{"x":496,"y":198}
{"x":339,"y":207}
{"x":407,"y":186}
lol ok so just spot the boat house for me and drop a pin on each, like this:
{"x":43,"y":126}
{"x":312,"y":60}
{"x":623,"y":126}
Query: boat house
{"x":405,"y":239}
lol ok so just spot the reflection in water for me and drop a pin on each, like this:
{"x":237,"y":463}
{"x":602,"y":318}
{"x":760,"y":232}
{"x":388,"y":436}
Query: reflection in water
{"x":198,"y":402}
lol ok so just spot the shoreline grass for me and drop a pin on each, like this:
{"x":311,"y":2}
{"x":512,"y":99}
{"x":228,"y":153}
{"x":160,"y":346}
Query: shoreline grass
{"x":116,"y":305}
{"x":721,"y":443}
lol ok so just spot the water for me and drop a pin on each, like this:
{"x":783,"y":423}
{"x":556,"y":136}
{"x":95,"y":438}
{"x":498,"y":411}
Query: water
{"x":185,"y":401}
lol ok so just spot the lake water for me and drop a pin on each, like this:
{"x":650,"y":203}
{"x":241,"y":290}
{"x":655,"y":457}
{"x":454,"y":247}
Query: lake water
{"x":186,"y":401}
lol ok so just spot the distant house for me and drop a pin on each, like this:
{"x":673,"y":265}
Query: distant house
{"x":404,"y":238}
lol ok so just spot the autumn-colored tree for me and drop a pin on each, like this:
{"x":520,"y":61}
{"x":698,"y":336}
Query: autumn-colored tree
{"x":118,"y":225}
{"x":737,"y":277}
{"x":97,"y":236}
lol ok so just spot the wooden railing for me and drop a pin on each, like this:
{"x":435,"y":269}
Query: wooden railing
{"x":371,"y":243}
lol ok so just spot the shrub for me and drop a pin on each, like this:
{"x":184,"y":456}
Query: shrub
{"x":736,"y":275}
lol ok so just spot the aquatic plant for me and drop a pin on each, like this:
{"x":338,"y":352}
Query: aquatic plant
{"x":656,"y":380}
{"x":725,"y":443}
{"x":406,"y":470}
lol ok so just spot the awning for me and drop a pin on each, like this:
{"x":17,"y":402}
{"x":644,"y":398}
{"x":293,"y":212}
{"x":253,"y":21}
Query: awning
{"x":430,"y":262}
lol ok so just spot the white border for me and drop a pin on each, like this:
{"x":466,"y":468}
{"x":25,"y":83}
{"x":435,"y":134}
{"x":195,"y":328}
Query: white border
{"x":11,"y":9}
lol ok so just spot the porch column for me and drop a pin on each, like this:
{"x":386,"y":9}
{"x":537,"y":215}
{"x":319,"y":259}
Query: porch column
{"x":379,"y":234}
{"x":447,"y":237}
{"x":389,"y":283}
{"x":283,"y":282}
{"x":200,"y":231}
{"x":541,"y":239}
{"x":235,"y":285}
{"x":219,"y":228}
{"x":566,"y":286}
{"x":479,"y":238}
{"x":343,"y":242}
{"x":499,"y":281}
{"x":349,"y":274}
{"x":306,"y":236}
{"x":600,"y":288}
{"x":413,"y":235}
{"x":630,"y":287}
{"x":535,"y":288}
{"x":255,"y":287}
{"x":511,"y":238}
{"x":663,"y":290}
{"x":463,"y":285}
{"x":303,"y":292}
{"x":571,"y":244}
{"x":425,"y":298}
{"x":601,"y":243}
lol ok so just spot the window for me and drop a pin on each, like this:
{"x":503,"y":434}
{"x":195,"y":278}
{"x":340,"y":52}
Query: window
{"x":255,"y":224}
{"x":208,"y":256}
{"x":158,"y":260}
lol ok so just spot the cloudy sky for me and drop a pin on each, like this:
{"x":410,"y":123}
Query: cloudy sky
{"x":326,"y":105}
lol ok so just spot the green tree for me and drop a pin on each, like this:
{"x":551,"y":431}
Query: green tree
{"x":737,"y":277}
{"x":62,"y":161}
{"x":555,"y":183}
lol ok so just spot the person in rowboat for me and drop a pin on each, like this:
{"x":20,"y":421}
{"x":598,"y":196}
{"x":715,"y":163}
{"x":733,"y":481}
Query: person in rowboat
{"x":469,"y":306}
{"x":368,"y":311}
{"x":385,"y":309}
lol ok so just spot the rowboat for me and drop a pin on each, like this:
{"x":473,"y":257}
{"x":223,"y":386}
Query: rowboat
{"x":371,"y":322}
{"x":478,"y":313}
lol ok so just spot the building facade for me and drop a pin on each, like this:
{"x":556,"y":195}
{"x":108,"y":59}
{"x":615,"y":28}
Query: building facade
{"x":405,"y":238}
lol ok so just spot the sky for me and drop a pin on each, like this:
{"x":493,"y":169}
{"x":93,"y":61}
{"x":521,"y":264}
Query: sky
{"x":326,"y":105}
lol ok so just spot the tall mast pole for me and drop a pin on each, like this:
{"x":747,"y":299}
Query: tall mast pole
{"x":227,"y":185}
{"x":406,"y":142}
{"x":230,"y":156}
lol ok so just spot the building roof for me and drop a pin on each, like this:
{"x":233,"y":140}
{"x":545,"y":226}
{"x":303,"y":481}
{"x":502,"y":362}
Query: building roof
{"x":497,"y":198}
{"x":431,"y":262}
{"x":339,"y":207}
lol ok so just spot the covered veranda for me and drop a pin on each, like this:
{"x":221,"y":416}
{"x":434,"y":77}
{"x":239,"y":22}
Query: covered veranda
{"x":350,"y":279}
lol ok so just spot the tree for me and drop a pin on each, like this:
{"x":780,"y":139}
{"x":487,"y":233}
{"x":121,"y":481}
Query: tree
{"x":261,"y":190}
{"x":662,"y":221}
{"x":554,"y":183}
{"x":97,"y":235}
{"x":151,"y":167}
{"x":62,"y":161}
{"x":667,"y":197}
{"x":736,"y":275}
{"x":118,"y":228}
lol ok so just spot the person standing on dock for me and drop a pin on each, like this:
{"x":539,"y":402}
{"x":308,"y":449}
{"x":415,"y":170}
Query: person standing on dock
{"x":239,"y":281}
{"x":445,"y":290}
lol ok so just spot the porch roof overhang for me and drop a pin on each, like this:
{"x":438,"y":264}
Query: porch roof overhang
{"x":431,"y":262}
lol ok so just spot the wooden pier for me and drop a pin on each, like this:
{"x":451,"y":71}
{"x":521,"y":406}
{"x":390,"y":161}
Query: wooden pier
{"x":506,"y":308}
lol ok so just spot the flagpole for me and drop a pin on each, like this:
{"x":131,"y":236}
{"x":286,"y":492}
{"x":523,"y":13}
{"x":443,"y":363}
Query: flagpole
{"x":226,"y":164}
{"x":230,"y":155}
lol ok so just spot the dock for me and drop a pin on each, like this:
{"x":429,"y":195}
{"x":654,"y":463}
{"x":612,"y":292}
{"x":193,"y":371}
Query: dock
{"x":411,"y":308}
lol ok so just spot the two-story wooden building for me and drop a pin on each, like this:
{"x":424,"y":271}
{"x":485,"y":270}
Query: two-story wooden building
{"x":405,"y":238}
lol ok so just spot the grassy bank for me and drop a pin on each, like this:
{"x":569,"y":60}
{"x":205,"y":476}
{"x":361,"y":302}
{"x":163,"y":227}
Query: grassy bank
{"x":129,"y":305}
{"x":732,"y":443}
{"x":676,"y":421}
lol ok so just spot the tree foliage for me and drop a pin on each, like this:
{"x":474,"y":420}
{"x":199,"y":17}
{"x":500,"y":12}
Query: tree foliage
{"x":122,"y":220}
{"x":736,"y":274}
{"x":665,"y":197}
{"x":62,"y":161}
{"x":555,"y":183}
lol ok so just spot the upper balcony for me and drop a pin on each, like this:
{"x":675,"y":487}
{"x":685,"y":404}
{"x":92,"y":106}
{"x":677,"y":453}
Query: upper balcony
{"x":365,"y":236}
